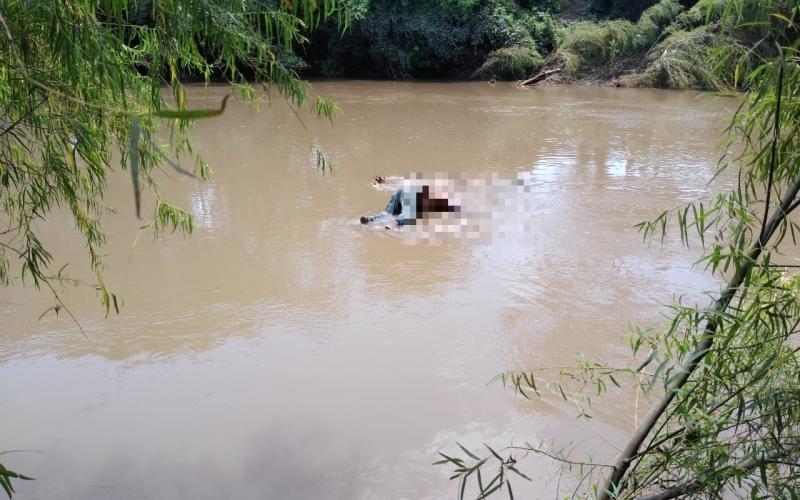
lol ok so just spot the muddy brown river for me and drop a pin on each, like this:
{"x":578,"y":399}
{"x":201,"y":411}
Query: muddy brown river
{"x":284,"y":351}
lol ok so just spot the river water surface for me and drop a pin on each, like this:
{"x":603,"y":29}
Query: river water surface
{"x":285,"y":352}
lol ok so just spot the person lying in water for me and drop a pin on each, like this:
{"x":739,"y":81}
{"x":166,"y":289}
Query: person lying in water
{"x":393,"y":209}
{"x":404,"y":209}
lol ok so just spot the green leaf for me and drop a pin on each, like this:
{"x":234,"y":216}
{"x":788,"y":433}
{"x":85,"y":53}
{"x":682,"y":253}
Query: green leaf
{"x":646,"y":361}
{"x":496,"y":455}
{"x":6,"y":484}
{"x":471,"y":455}
{"x":5,"y":479}
{"x":133,"y":164}
{"x":494,"y":485}
{"x":175,"y":166}
{"x":782,"y":18}
{"x":191,"y":114}
{"x":447,"y":459}
{"x":517,"y":472}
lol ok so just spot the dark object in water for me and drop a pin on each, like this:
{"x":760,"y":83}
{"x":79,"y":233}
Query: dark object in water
{"x":426,"y":204}
{"x":395,"y":205}
{"x":422,"y":205}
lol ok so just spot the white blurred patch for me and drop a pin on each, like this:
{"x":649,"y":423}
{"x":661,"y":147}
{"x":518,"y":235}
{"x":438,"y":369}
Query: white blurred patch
{"x":486,"y":207}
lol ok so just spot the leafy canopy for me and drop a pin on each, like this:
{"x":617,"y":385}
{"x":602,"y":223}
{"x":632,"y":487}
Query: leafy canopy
{"x":81,"y":80}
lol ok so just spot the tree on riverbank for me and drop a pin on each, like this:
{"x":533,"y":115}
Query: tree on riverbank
{"x":666,"y":43}
{"x":81,"y":80}
{"x":433,"y":39}
{"x":723,"y":378}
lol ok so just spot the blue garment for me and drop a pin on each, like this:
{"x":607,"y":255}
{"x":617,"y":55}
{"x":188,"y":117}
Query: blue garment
{"x":399,"y":209}
{"x":403,"y":204}
{"x":395,"y":205}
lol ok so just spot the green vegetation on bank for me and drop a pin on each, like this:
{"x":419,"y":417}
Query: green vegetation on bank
{"x":601,"y":47}
{"x":512,"y":63}
{"x":668,"y":43}
{"x":433,"y":39}
{"x":698,"y":50}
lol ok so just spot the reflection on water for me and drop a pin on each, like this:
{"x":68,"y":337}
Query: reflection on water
{"x":284,"y":352}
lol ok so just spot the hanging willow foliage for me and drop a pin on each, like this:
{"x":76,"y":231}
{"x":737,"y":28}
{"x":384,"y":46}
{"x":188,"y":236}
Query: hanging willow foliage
{"x":80,"y":79}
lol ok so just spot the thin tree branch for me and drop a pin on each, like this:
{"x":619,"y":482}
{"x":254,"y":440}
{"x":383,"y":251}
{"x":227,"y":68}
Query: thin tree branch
{"x":556,"y":457}
{"x":11,"y":126}
{"x":773,"y":150}
{"x":696,"y":484}
{"x":44,"y":279}
{"x":794,"y":205}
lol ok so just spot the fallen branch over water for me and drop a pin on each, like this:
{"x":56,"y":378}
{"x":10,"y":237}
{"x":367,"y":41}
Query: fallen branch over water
{"x":541,"y":76}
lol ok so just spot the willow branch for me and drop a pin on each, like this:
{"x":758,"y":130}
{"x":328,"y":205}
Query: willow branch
{"x":10,"y":127}
{"x":614,"y":482}
{"x":47,"y":281}
{"x":556,"y":457}
{"x":697,"y":484}
{"x":773,"y":150}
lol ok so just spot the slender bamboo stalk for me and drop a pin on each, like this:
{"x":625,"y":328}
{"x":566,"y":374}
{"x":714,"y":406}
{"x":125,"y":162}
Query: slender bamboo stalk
{"x":614,"y":481}
{"x":614,"y":484}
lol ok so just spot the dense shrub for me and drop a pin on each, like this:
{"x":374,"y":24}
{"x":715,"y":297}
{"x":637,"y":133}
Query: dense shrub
{"x":676,"y":41}
{"x":620,"y":8}
{"x":656,"y":18}
{"x":450,"y":38}
{"x":595,"y":43}
{"x":703,"y":13}
{"x":696,"y":53}
{"x":431,"y":38}
{"x":591,"y":45}
{"x":545,"y":32}
{"x":682,"y":60}
{"x":510,"y":63}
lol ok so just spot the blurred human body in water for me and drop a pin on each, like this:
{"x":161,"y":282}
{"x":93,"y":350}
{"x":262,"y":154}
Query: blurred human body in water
{"x":406,"y":206}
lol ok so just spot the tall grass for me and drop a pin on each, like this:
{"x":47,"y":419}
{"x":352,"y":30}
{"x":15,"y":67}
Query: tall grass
{"x":510,"y":63}
{"x":696,"y":53}
{"x":597,"y":45}
{"x":694,"y":60}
